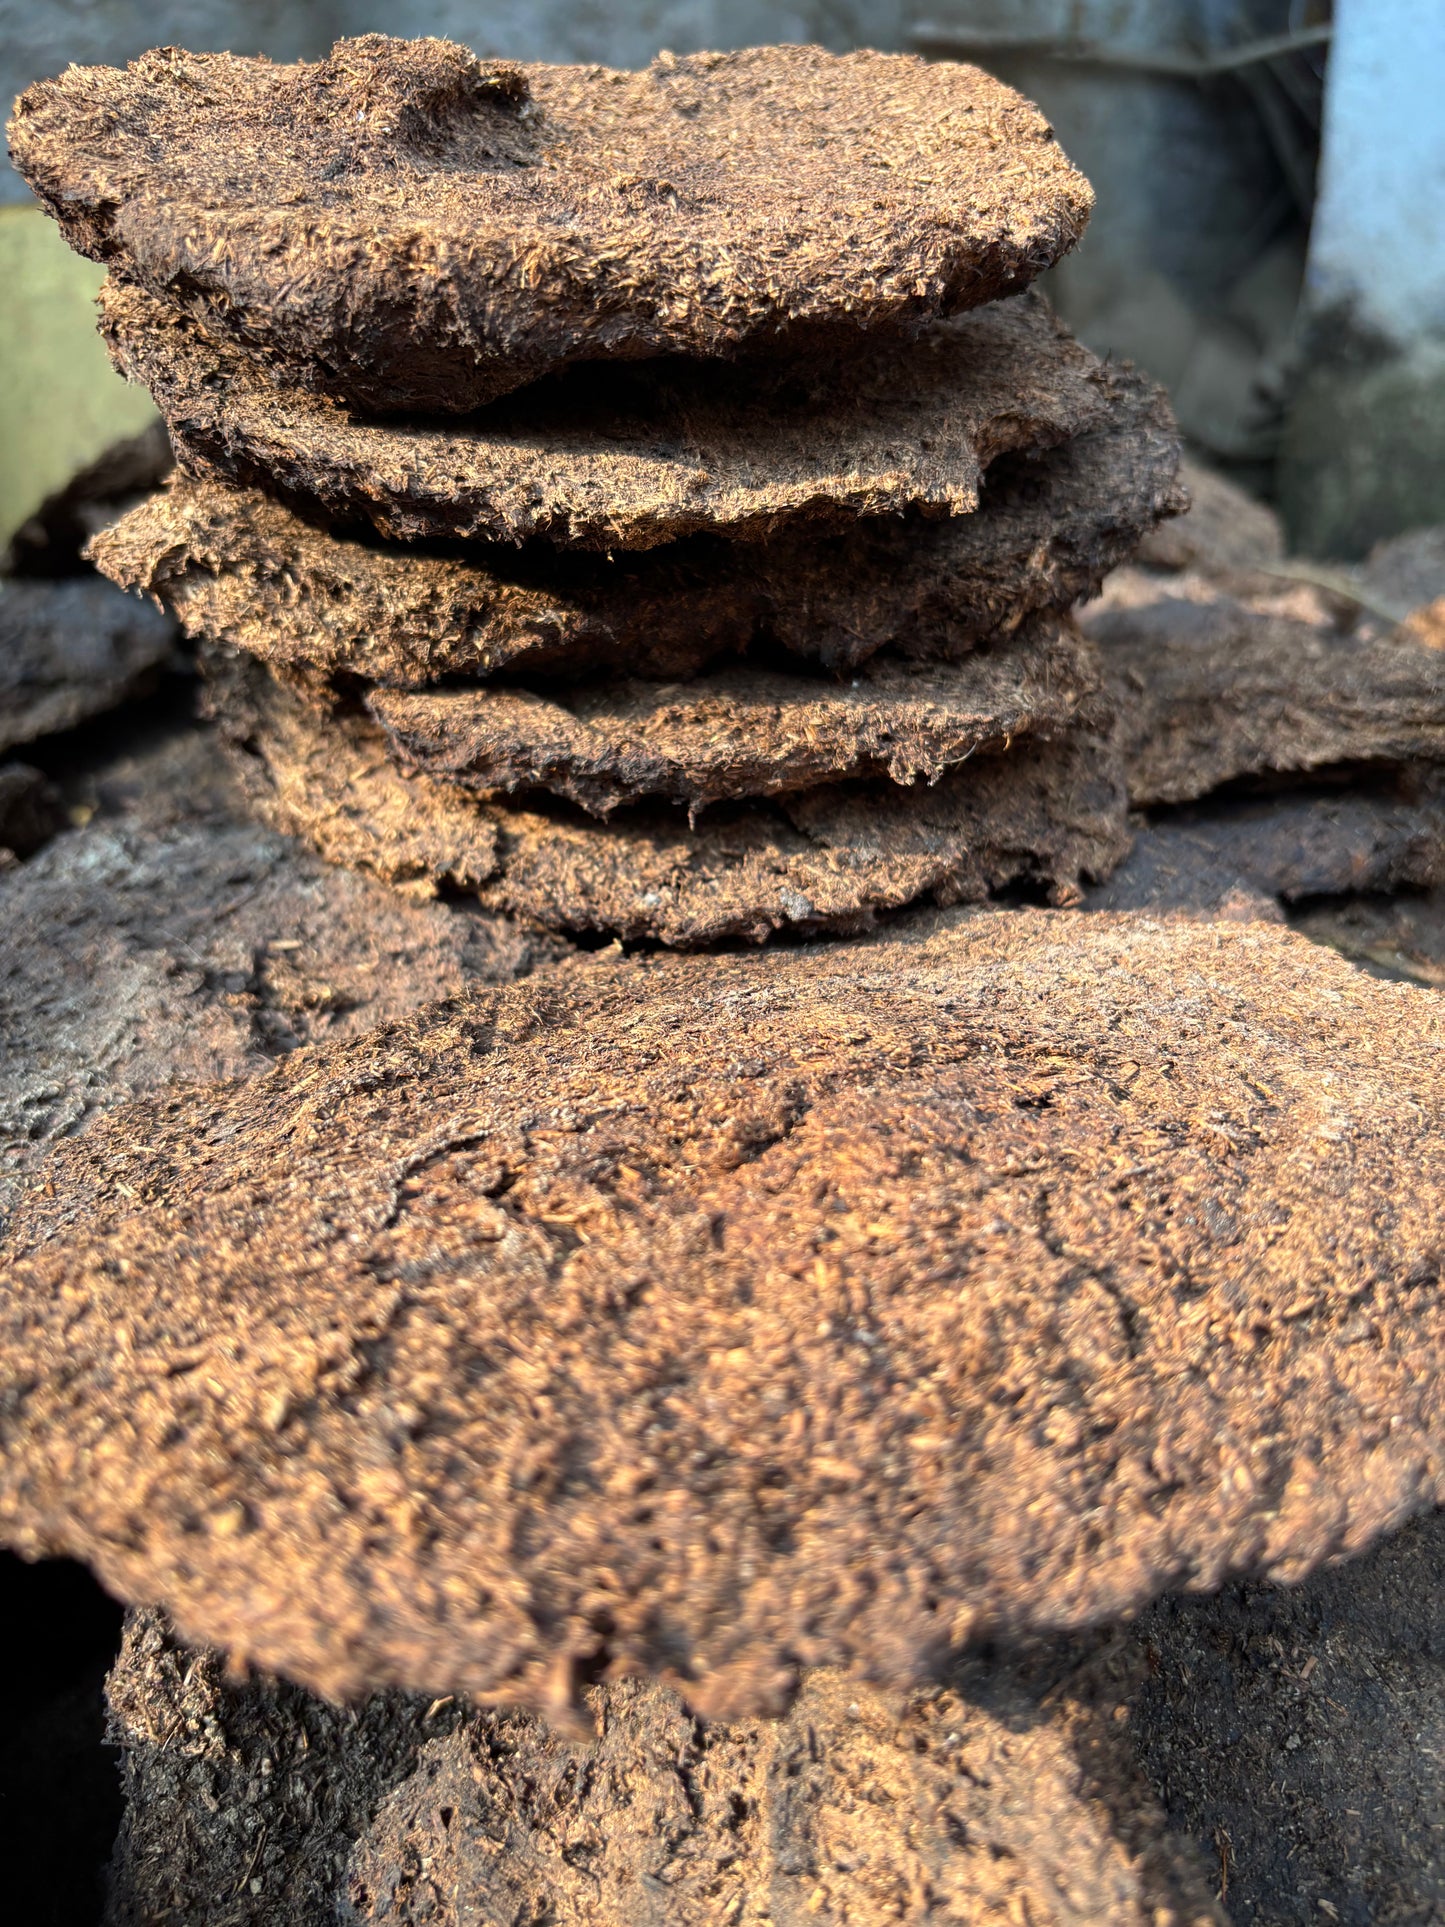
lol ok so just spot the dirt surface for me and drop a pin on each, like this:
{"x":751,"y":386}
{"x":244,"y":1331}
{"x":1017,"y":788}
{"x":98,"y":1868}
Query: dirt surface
{"x":615,"y":456}
{"x":1296,"y":1735}
{"x":411,"y":227}
{"x":169,"y":938}
{"x":235,"y":566}
{"x":745,"y":732}
{"x":1047,"y":813}
{"x":1099,"y":1263}
{"x":72,"y":649}
{"x":1211,"y":688}
{"x":1006,"y":1793}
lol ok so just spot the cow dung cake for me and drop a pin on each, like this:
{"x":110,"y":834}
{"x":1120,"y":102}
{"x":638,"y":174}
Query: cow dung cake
{"x":237,"y":566}
{"x":634,"y":456}
{"x":1049,"y":813}
{"x":404,"y":226}
{"x":721,"y":1316}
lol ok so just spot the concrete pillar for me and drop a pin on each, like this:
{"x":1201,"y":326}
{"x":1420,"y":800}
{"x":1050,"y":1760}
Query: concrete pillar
{"x":1364,"y":453}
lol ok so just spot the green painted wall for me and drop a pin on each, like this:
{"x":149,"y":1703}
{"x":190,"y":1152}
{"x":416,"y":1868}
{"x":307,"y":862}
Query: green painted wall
{"x":61,"y":402}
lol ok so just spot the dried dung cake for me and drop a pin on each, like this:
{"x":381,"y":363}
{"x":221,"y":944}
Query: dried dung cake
{"x":743,"y":732}
{"x":71,"y":649}
{"x":1049,"y":812}
{"x":727,"y":1316}
{"x":1380,"y":836}
{"x":168,"y":938}
{"x":618,"y":457}
{"x":1233,"y":667}
{"x":408,"y":227}
{"x":235,"y":566}
{"x":1211,"y":689}
{"x":1009,"y":1793}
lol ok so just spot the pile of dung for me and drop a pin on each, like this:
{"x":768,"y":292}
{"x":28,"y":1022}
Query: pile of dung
{"x":628,"y":499}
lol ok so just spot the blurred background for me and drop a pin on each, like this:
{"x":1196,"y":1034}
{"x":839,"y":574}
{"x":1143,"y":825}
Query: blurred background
{"x":1269,"y":241}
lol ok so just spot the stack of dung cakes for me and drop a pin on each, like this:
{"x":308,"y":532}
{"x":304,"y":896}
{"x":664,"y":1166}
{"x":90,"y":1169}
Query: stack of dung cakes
{"x":649,"y":501}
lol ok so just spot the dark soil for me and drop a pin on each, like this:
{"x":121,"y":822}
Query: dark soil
{"x":1007,"y":1793}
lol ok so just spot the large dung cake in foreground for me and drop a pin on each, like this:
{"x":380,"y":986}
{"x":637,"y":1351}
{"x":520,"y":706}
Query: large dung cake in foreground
{"x":722,"y":1315}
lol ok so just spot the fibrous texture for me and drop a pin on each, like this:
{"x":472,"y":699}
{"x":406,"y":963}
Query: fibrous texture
{"x":727,"y":1316}
{"x":1008,"y":1792}
{"x":405,"y":226}
{"x":69,"y":650}
{"x":1049,"y":812}
{"x":743,"y":732}
{"x":613,"y":457}
{"x":235,"y":566}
